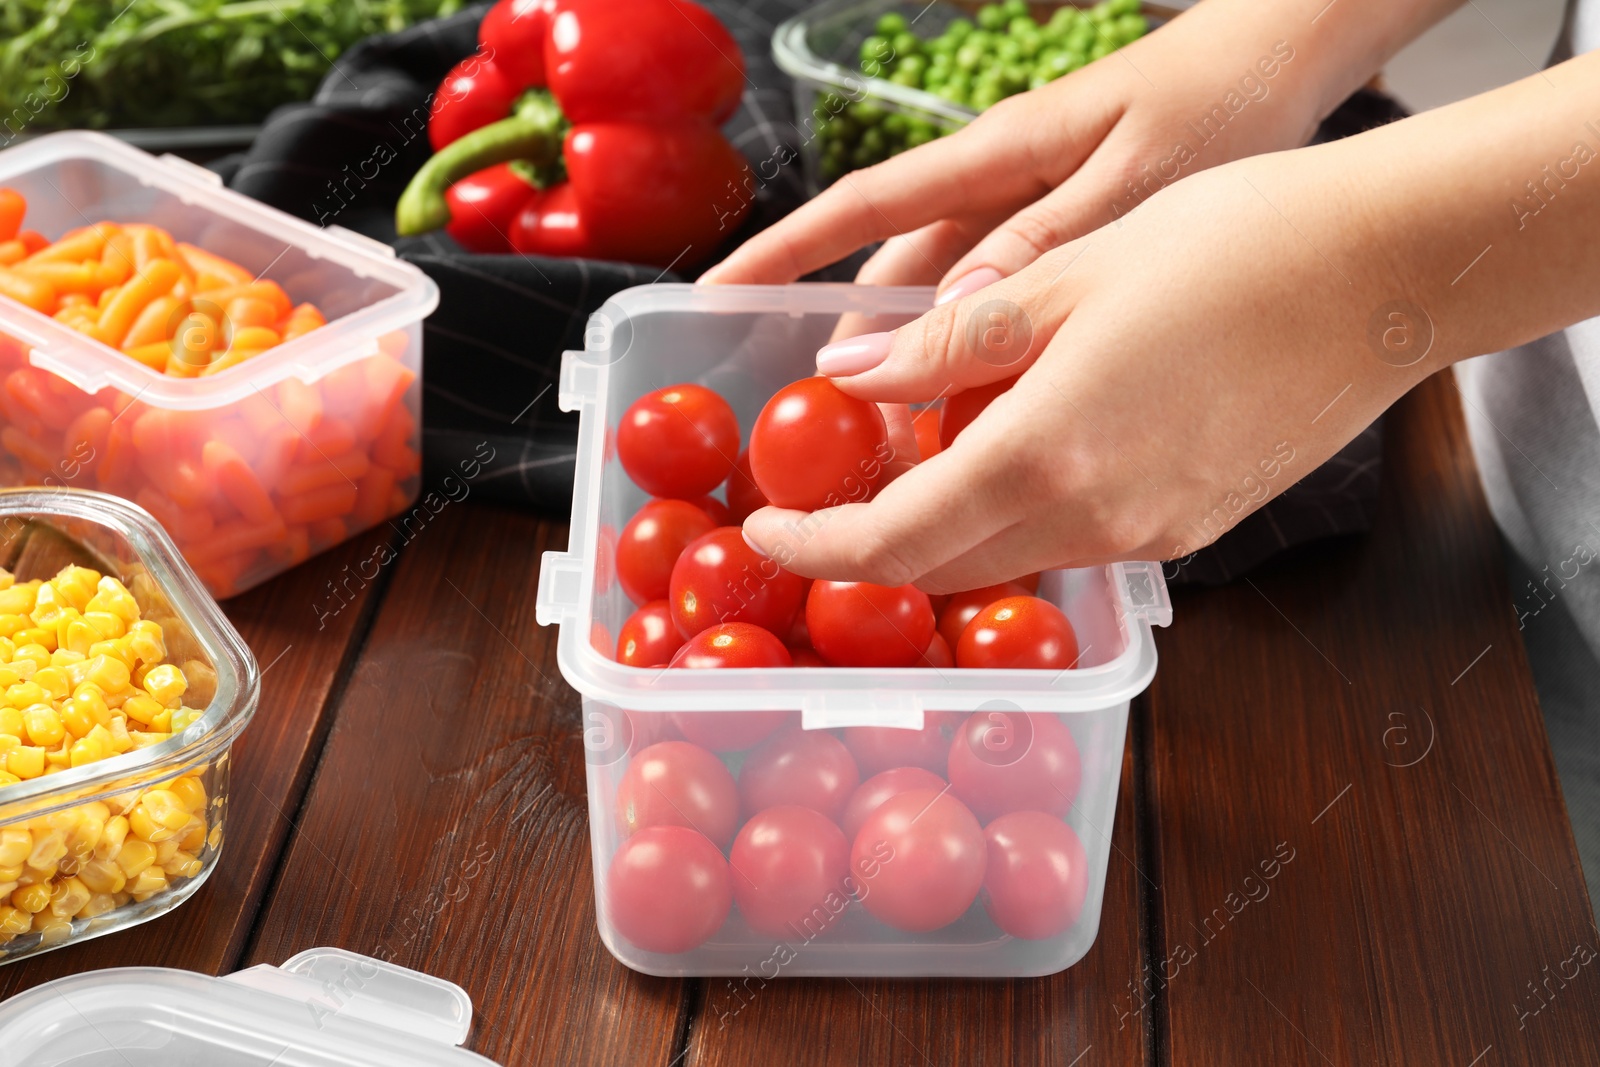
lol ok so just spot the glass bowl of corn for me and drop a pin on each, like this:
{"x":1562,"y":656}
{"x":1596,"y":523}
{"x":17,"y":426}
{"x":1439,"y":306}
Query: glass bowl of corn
{"x":122,"y":689}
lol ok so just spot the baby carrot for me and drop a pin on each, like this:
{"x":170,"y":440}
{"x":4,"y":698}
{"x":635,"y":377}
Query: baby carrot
{"x":237,"y":482}
{"x":34,"y":292}
{"x":118,"y":316}
{"x":33,"y":240}
{"x":244,"y":311}
{"x":328,"y":502}
{"x":64,"y":277}
{"x":268,"y":292}
{"x":372,"y":496}
{"x":154,"y":323}
{"x":310,"y":477}
{"x":302,"y":320}
{"x":12,"y":208}
{"x":77,"y":246}
{"x":239,"y":535}
{"x":332,"y":437}
{"x":230,"y":359}
{"x":153,"y":355}
{"x":212,"y":269}
{"x":300,"y":404}
{"x":328,"y":532}
{"x":258,"y":338}
{"x":12,"y":251}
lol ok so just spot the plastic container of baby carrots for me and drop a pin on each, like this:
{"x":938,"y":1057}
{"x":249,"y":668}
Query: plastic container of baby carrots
{"x":279,"y":451}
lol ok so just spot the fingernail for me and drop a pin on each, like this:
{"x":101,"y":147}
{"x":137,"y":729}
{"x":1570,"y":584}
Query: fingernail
{"x":968,"y":284}
{"x":854,"y":355}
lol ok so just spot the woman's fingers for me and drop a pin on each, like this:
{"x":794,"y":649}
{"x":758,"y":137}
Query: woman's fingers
{"x":994,"y":334}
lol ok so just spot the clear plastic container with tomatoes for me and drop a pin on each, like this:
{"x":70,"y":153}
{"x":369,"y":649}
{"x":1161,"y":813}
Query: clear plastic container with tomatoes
{"x":253,"y":464}
{"x":807,"y":818}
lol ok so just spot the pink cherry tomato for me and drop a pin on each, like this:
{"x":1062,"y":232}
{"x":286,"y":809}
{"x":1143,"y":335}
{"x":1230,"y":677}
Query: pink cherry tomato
{"x":668,"y":889}
{"x":878,"y":748}
{"x":919,"y":860}
{"x":731,"y":731}
{"x":870,"y":794}
{"x":790,"y":867}
{"x":808,"y":768}
{"x":674,"y":783}
{"x":1006,"y":760}
{"x":1037,"y":876}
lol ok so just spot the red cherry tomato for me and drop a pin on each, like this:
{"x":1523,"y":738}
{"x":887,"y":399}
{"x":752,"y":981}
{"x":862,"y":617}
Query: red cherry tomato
{"x":806,"y":767}
{"x":475,"y":93}
{"x":960,"y":409}
{"x":645,"y":728}
{"x":730,"y":731}
{"x":961,"y":607}
{"x":814,"y":447}
{"x":514,"y":31}
{"x":805,"y":657}
{"x":790,"y":871}
{"x":858,"y":624}
{"x":651,"y":543}
{"x":668,"y":889}
{"x":1018,"y":632}
{"x":919,"y":860}
{"x":680,"y":441}
{"x":649,"y":638}
{"x":744,"y":498}
{"x":1003,"y":760}
{"x":674,"y":783}
{"x":720,"y":515}
{"x":600,"y":638}
{"x":650,"y":59}
{"x":730,"y":645}
{"x":1037,"y":875}
{"x":925,"y":424}
{"x":937,"y":655}
{"x":880,"y":748}
{"x":870,"y":794}
{"x":719,"y":578}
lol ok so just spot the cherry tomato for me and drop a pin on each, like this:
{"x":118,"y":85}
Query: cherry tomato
{"x":879,"y":748}
{"x":918,"y":860}
{"x":668,"y":889}
{"x":474,"y":93}
{"x":719,"y":579}
{"x":649,"y":638}
{"x":1037,"y":876}
{"x":959,"y":410}
{"x":1018,"y":632}
{"x":651,"y":543}
{"x":730,"y":645}
{"x":937,"y":655}
{"x":806,"y":657}
{"x":514,"y":32}
{"x":799,"y":633}
{"x":961,"y":607}
{"x":790,"y":870}
{"x":680,"y":441}
{"x":730,"y":731}
{"x":806,"y":767}
{"x":744,"y":498}
{"x":925,"y":424}
{"x":720,"y":515}
{"x":1006,"y":761}
{"x":674,"y":783}
{"x":600,"y":638}
{"x":870,"y":794}
{"x":814,"y":447}
{"x":858,"y":624}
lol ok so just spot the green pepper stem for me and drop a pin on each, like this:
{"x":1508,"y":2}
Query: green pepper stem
{"x":533,"y":132}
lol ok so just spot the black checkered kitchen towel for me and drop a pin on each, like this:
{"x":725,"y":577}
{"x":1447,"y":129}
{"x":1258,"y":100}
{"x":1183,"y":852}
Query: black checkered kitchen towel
{"x":493,"y":348}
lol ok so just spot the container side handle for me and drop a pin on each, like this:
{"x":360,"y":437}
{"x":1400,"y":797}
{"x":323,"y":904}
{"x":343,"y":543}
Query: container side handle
{"x":1143,"y":591}
{"x":560,"y":588}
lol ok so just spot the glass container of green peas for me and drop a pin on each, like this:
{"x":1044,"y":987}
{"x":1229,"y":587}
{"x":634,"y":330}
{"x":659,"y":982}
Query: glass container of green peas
{"x":874,"y":78}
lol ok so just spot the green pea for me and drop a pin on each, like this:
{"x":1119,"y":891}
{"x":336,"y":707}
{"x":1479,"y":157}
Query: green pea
{"x":1132,"y":27}
{"x":833,"y":169}
{"x":1100,"y":12}
{"x":958,"y":29}
{"x":985,"y":97}
{"x":909,"y":78}
{"x":844,"y":129}
{"x":918,"y":138}
{"x":914,"y":65}
{"x":906,"y":44}
{"x":866,"y":114}
{"x":1100,"y":50}
{"x":1057,"y":64}
{"x":961,"y":81}
{"x":954,"y":92}
{"x":969,"y":58}
{"x":1124,"y":7}
{"x":1014,"y":78}
{"x":1037,"y":81}
{"x":1021,"y":25}
{"x":1015,"y":8}
{"x":1064,"y":18}
{"x":1008,"y":51}
{"x":944,"y":61}
{"x":873,"y":141}
{"x":982,"y":40}
{"x":895,"y":125}
{"x":1108,"y":33}
{"x":992,"y":17}
{"x":1081,"y":37}
{"x":1030,"y":44}
{"x":891,"y":24}
{"x":876,"y":49}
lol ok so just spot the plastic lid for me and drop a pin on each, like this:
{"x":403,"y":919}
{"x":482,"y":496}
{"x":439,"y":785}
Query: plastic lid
{"x":322,"y":1008}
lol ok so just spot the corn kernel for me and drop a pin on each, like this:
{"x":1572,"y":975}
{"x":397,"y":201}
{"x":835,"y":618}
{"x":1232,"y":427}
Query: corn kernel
{"x":52,"y":929}
{"x":48,"y":849}
{"x":11,"y":721}
{"x":165,"y":683}
{"x":98,"y":904}
{"x":12,"y":875}
{"x":31,"y":898}
{"x":57,"y":759}
{"x":68,"y":896}
{"x":7,"y":649}
{"x":103,"y":876}
{"x":11,"y":623}
{"x":7,"y":778}
{"x":111,"y":839}
{"x":151,"y":881}
{"x":111,"y":595}
{"x":104,"y":625}
{"x":40,"y":641}
{"x":14,"y":921}
{"x":191,"y":791}
{"x":162,"y":722}
{"x":193,"y":837}
{"x":134,"y":856}
{"x":53,"y":680}
{"x":18,"y":599}
{"x":47,"y":605}
{"x":182,"y":865}
{"x":7,"y":579}
{"x":108,"y":674}
{"x":15,"y":845}
{"x":121,"y":741}
{"x":144,"y":638}
{"x":76,"y":720}
{"x":88,"y":750}
{"x":26,"y":761}
{"x":166,"y":850}
{"x":159,"y":815}
{"x":44,"y":725}
{"x":25,"y":694}
{"x":76,"y":585}
{"x":143,"y":709}
{"x":183,"y":718}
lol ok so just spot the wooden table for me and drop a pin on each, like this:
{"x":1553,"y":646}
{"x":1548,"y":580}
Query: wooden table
{"x":1360,"y":721}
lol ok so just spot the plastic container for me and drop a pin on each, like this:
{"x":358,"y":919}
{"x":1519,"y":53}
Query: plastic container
{"x":329,"y":422}
{"x":820,"y":50}
{"x":323,"y":1008}
{"x":746,"y":342}
{"x":66,"y":813}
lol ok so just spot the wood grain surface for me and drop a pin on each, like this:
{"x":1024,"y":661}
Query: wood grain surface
{"x":1339,"y":838}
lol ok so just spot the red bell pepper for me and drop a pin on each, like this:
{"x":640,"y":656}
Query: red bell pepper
{"x":645,"y":84}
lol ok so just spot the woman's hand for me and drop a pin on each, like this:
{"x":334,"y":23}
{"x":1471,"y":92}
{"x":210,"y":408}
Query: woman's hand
{"x":1225,"y":80}
{"x":1180,"y":367}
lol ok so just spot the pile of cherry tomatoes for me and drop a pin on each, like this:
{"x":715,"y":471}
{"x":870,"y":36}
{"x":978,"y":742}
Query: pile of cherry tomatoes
{"x":911,"y":825}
